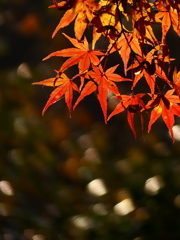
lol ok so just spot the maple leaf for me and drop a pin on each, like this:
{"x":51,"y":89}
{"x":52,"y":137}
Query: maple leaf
{"x":63,"y":5}
{"x":65,"y":87}
{"x":81,"y":11}
{"x":176,"y":81}
{"x":102,"y":82}
{"x":163,"y":54}
{"x":126,"y":43}
{"x":146,"y":66}
{"x":133,"y":104}
{"x":142,"y":19}
{"x":105,"y":24}
{"x":113,"y":19}
{"x":143,"y":29}
{"x":165,"y":106}
{"x":167,"y":16}
{"x":80,"y":55}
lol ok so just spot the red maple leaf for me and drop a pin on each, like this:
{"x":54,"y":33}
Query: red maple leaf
{"x":102,"y":82}
{"x":65,"y":87}
{"x":165,"y":106}
{"x":80,"y":55}
{"x":133,"y":104}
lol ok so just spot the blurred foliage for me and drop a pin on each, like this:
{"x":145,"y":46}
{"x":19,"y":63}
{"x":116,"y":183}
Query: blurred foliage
{"x":74,"y":179}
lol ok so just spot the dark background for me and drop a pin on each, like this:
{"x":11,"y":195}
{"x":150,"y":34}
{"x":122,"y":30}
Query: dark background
{"x":47,"y":163}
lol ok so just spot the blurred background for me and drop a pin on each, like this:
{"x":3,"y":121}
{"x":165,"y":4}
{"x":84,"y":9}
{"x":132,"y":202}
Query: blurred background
{"x":75,"y":178}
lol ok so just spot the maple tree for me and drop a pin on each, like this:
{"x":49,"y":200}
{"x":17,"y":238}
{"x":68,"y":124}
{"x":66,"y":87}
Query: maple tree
{"x":129,"y":29}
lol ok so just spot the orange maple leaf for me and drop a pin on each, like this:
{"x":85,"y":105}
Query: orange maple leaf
{"x":176,"y":81}
{"x":147,"y":66}
{"x":142,"y":19}
{"x":80,"y":55}
{"x":65,"y":87}
{"x":125,"y":44}
{"x":63,"y":5}
{"x":127,"y":28}
{"x":102,"y":82}
{"x":106,"y":24}
{"x":165,"y":106}
{"x":167,"y":16}
{"x":82,"y":11}
{"x":133,"y":104}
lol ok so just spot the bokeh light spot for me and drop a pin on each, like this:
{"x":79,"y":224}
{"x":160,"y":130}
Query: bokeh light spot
{"x":38,"y":237}
{"x":91,"y":155}
{"x":24,"y":71}
{"x":82,"y":222}
{"x":176,"y":132}
{"x":97,"y":187}
{"x":14,"y":156}
{"x":153,"y":185}
{"x":100,"y":209}
{"x":85,"y":141}
{"x":124,"y":207}
{"x":6,"y":188}
{"x":3,"y":210}
{"x":8,"y":237}
{"x":177,"y":201}
{"x":20,"y":126}
{"x":123,"y":166}
{"x":28,"y":233}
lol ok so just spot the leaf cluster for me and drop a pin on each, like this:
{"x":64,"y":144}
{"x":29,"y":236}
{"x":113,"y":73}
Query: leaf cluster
{"x":129,"y":28}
